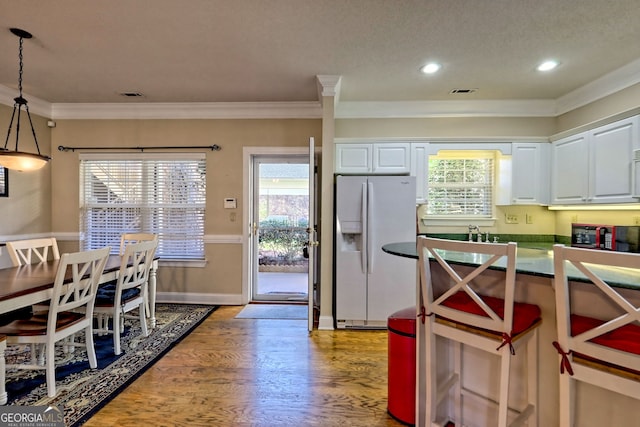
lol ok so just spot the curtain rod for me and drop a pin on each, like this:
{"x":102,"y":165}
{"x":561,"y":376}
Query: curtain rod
{"x":214,"y":147}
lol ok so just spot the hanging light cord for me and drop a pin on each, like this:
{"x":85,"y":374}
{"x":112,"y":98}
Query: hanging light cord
{"x":19,"y":102}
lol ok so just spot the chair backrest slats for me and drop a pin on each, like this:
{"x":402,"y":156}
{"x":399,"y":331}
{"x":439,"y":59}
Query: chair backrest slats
{"x":127,"y":238}
{"x":80,"y":289}
{"x":455,"y":280}
{"x":135,"y":266}
{"x":30,"y":251}
{"x":611,"y":308}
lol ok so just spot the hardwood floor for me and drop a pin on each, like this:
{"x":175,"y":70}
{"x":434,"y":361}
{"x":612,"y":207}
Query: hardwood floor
{"x":260,"y":372}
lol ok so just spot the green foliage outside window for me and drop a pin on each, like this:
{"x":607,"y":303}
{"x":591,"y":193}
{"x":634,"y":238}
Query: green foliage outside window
{"x":460,"y":187}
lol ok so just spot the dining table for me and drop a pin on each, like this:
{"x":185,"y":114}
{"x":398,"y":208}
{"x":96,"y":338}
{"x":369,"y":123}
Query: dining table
{"x":30,"y":284}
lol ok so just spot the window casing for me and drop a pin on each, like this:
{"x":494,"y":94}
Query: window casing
{"x":160,"y":193}
{"x":461,"y":185}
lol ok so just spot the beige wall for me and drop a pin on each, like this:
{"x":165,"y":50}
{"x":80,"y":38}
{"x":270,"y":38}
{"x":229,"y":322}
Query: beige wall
{"x":27,"y":210}
{"x":47,"y":201}
{"x":627,"y":100}
{"x":223,"y":272}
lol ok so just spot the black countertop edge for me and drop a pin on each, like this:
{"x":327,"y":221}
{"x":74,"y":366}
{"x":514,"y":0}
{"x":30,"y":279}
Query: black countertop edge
{"x":536,"y":261}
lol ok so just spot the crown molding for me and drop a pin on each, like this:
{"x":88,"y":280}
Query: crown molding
{"x":36,"y":105}
{"x":608,"y":84}
{"x":329,"y":85}
{"x":193,"y":110}
{"x":428,"y":109}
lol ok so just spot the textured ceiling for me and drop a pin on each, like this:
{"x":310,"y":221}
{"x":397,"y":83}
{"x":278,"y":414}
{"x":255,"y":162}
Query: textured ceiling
{"x":272,"y":50}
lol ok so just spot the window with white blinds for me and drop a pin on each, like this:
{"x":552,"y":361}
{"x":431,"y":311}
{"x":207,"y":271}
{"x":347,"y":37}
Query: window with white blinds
{"x":161,"y":193}
{"x":461,"y":186}
{"x":4,"y":190}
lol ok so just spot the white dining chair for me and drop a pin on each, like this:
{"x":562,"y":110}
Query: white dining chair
{"x":598,"y":344}
{"x":70,"y":312}
{"x":127,"y":292}
{"x":469,"y":307}
{"x":127,"y":238}
{"x":29,"y":251}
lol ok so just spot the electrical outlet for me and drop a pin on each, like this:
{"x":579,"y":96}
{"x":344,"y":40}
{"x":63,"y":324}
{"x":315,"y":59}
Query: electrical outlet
{"x":574,"y":218}
{"x":511,"y":218}
{"x":529,"y":218}
{"x":636,"y":220}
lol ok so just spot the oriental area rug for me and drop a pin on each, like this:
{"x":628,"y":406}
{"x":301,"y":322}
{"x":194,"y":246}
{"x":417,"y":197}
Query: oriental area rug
{"x":82,"y":391}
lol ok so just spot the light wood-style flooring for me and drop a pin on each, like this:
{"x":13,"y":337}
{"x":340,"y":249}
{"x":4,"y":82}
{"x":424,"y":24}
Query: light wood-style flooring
{"x":260,"y":372}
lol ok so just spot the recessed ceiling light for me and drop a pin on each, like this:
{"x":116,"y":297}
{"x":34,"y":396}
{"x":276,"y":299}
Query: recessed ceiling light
{"x":430,"y":68}
{"x":547,"y":65}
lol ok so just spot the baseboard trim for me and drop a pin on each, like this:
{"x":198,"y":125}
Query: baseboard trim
{"x":193,"y":298}
{"x":325,"y":323}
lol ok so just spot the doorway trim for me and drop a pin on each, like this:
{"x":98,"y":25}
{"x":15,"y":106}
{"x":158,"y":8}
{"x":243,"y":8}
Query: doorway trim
{"x":248,"y":153}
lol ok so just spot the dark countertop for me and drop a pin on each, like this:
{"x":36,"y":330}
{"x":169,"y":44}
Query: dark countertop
{"x":532,"y":259}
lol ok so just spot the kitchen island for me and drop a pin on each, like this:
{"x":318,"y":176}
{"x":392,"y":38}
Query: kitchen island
{"x":534,"y":284}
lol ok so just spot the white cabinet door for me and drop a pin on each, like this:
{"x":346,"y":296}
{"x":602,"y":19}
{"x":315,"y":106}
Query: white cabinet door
{"x":596,"y":166}
{"x":420,"y":169}
{"x":391,"y":158}
{"x":611,"y":179}
{"x":530,"y":173}
{"x":376,"y":158}
{"x":570,"y":170}
{"x":354,"y":158}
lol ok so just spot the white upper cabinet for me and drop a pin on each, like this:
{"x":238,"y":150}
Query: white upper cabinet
{"x":374,"y":158}
{"x":353,"y":158}
{"x":570,"y":170}
{"x":420,"y":169}
{"x":596,"y":166}
{"x":524,"y":177}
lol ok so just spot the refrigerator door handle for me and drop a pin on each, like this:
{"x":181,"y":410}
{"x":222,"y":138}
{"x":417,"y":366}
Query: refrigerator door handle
{"x":370,"y":226}
{"x":364,"y":209}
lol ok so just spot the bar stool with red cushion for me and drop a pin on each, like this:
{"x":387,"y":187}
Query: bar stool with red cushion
{"x":600,"y":347}
{"x":469,"y":306}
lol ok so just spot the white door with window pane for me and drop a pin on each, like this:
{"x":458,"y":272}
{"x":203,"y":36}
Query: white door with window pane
{"x":280,"y":223}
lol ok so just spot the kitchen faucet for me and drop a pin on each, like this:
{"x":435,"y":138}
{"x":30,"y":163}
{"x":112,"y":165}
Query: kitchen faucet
{"x":477,"y":229}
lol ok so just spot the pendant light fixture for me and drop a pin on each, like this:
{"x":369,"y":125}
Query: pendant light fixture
{"x":14,"y":159}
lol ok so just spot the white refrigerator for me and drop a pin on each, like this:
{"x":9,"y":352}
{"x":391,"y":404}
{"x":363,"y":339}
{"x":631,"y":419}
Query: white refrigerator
{"x":370,"y":284}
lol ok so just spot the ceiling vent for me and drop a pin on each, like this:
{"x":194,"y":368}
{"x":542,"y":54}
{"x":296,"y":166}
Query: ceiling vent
{"x":132,"y":94}
{"x":463,"y":91}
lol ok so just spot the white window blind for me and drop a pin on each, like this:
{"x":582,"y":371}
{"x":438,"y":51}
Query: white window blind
{"x":3,"y":182}
{"x":161,"y":194}
{"x":461,"y":186}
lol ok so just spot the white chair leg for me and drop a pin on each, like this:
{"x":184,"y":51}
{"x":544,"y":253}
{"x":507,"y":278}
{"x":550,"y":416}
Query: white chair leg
{"x":457,"y":371}
{"x":91,"y":350}
{"x":116,"y":333}
{"x":532,"y":378}
{"x":431,"y":387}
{"x":566,"y":400}
{"x":503,"y":400}
{"x":51,"y":369}
{"x":143,"y":320}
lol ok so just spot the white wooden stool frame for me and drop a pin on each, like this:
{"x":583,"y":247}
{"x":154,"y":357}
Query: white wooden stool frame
{"x":457,"y":334}
{"x":592,"y":371}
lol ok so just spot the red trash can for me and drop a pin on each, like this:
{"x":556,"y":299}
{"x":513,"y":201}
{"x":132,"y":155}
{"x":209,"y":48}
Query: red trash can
{"x":401,"y":399}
